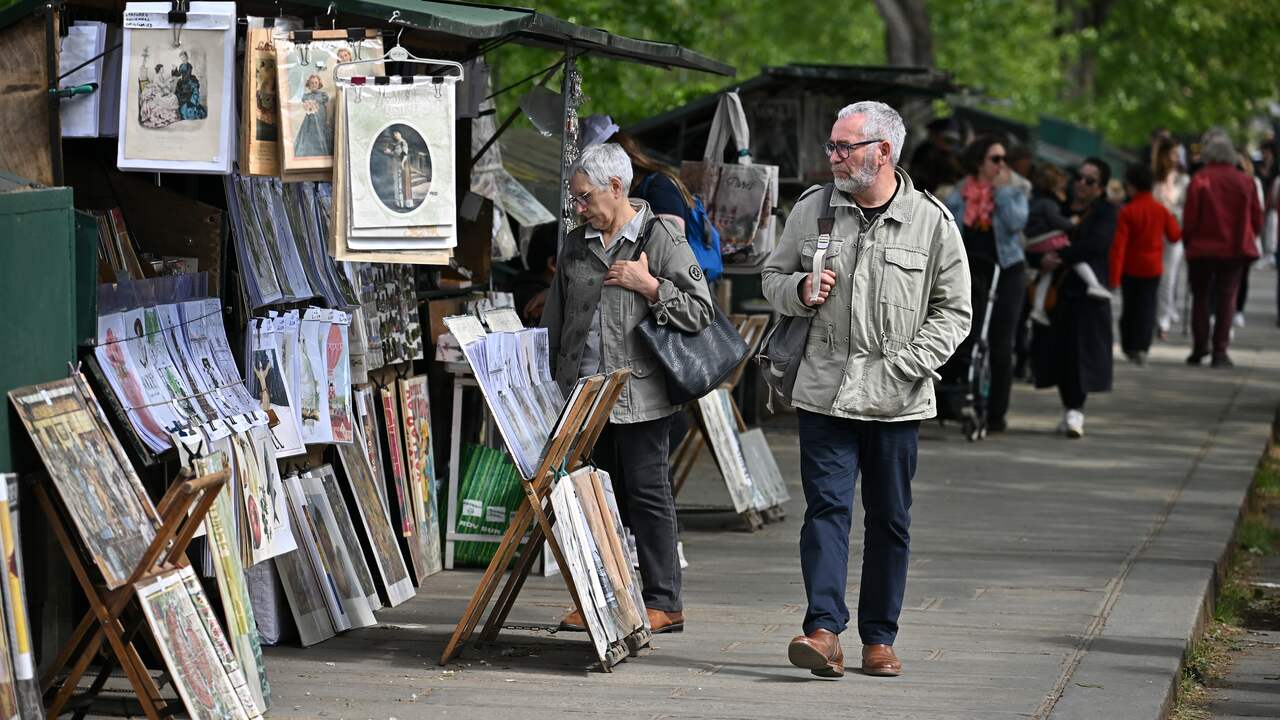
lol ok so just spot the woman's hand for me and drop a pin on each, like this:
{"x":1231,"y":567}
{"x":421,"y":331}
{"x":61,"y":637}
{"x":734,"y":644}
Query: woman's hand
{"x":634,"y":275}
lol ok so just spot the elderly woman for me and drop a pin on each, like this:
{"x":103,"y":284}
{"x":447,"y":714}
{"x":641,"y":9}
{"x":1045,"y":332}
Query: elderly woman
{"x":621,"y":265}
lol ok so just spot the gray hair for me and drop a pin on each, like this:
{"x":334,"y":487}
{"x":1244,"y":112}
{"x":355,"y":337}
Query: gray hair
{"x":604,"y":161}
{"x":1216,"y":147}
{"x":881,"y":122}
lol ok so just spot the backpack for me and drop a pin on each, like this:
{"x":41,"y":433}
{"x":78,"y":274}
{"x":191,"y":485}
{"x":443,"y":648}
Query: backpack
{"x":703,"y":237}
{"x":782,"y":349}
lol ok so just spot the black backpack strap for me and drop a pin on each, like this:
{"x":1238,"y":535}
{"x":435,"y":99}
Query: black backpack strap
{"x":827,"y":217}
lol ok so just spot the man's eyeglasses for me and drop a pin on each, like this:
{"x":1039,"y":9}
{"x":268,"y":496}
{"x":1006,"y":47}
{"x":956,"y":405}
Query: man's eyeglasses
{"x":996,"y":159}
{"x":1087,"y":180}
{"x":843,"y":150}
{"x":580,"y":199}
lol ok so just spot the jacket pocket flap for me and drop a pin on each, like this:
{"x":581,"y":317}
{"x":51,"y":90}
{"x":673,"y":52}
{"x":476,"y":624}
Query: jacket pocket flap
{"x":644,"y":367}
{"x":906,"y":258}
{"x":809,"y":246}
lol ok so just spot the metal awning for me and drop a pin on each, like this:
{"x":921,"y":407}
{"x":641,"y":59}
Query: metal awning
{"x":479,"y":23}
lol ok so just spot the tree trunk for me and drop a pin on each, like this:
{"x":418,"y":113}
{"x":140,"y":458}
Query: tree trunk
{"x":908,"y":37}
{"x":1081,"y":69}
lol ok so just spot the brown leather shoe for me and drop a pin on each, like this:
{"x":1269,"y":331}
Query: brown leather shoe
{"x":665,"y":622}
{"x":879,"y":660}
{"x":573,"y":622}
{"x":818,"y":652}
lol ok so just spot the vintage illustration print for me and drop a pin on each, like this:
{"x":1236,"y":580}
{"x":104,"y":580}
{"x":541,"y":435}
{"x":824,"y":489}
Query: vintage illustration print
{"x":174,"y":95}
{"x":400,"y":168}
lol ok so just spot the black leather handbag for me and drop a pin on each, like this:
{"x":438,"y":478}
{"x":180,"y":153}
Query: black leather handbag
{"x":695,"y":363}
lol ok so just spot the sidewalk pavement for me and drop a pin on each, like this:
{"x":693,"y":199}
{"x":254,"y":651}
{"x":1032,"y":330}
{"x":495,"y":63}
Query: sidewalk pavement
{"x":1049,"y":579}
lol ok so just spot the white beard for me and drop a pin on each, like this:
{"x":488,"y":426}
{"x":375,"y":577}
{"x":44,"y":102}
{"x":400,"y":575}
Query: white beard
{"x":861,"y":179}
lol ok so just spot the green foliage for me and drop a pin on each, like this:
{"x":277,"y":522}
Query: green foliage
{"x":1185,"y":65}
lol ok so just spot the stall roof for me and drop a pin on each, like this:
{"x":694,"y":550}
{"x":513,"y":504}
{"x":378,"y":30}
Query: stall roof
{"x":848,"y":80}
{"x":479,"y":22}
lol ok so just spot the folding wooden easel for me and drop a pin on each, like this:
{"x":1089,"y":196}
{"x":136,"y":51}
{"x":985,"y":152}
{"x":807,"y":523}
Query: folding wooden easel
{"x":180,"y":511}
{"x":752,"y":328}
{"x":568,"y":450}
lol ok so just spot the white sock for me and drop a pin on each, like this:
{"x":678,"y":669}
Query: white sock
{"x":1086,"y":273}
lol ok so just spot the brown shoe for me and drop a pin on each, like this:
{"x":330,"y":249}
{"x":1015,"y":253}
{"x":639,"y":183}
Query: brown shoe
{"x":879,"y":660}
{"x":665,"y":622}
{"x":818,"y":652}
{"x":573,"y":622}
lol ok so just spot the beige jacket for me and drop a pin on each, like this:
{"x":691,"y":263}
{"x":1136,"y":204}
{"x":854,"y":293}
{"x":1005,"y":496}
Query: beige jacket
{"x":684,"y":302}
{"x":899,"y":308}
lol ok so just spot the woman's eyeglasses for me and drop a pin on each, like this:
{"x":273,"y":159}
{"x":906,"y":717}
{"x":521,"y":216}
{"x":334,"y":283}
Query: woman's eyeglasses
{"x":996,"y":159}
{"x":580,"y":199}
{"x":1087,"y":180}
{"x":843,"y":150}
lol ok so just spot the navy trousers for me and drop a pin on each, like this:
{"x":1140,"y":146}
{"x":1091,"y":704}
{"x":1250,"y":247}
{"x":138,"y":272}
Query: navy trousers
{"x":832,"y":453}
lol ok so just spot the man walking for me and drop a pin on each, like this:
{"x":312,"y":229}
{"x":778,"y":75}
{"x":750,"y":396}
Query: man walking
{"x":890,"y":305}
{"x":1220,"y":226}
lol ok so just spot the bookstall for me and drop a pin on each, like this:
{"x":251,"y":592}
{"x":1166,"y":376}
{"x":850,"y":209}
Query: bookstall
{"x":233,"y":421}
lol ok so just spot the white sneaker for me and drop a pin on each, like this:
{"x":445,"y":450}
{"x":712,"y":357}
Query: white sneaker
{"x":1073,"y":422}
{"x":1039,"y":316}
{"x":1238,"y":320}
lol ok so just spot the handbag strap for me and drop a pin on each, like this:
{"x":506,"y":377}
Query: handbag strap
{"x":729,"y":120}
{"x":643,"y":241}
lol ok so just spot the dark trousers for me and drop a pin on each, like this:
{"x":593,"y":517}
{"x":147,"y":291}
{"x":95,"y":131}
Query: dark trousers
{"x":1138,"y":318}
{"x":832,"y":453}
{"x":635,"y":456}
{"x":1011,"y":295}
{"x":1214,"y":285}
{"x":1070,"y":389}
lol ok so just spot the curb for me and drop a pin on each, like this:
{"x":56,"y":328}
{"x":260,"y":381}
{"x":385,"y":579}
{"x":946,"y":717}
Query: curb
{"x":1130,"y":669}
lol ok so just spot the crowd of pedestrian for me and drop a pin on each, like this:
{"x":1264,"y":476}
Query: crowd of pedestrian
{"x":1052,"y":249}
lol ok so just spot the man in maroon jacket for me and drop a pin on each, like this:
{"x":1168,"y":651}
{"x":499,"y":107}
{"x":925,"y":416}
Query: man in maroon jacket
{"x":1220,"y":222}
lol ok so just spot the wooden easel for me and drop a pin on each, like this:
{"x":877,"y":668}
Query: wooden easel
{"x":181,"y":511}
{"x":752,"y":328}
{"x":568,"y":450}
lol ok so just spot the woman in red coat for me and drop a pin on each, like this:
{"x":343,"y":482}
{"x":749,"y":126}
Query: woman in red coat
{"x":1221,"y":218}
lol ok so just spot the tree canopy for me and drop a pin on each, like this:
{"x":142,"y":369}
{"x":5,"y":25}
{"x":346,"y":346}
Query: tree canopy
{"x":1121,"y":67}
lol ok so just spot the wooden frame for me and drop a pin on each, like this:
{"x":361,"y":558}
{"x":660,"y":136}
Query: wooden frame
{"x":181,"y":512}
{"x":566,"y":451}
{"x":752,"y":328}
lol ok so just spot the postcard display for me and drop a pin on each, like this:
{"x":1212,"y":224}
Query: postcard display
{"x":549,"y":439}
{"x":129,"y":550}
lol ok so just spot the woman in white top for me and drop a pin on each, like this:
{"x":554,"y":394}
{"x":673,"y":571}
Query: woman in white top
{"x":1171,"y":190}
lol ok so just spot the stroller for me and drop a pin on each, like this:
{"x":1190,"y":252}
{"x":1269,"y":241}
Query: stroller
{"x":965,"y":386}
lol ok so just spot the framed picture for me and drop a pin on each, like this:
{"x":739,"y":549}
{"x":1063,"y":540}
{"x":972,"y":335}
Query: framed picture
{"x":178,"y":98}
{"x":347,"y":532}
{"x":377,"y":525}
{"x":416,"y":412}
{"x":102,"y":494}
{"x":183,"y":639}
{"x":331,"y":543}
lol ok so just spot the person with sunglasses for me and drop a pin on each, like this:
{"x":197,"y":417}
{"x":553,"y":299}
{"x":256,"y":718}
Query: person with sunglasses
{"x":879,"y":270}
{"x":621,"y":265}
{"x":1073,"y":353}
{"x":991,"y":212}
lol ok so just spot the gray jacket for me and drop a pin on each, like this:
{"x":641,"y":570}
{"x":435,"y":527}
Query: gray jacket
{"x":899,"y":308}
{"x":683,"y":302}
